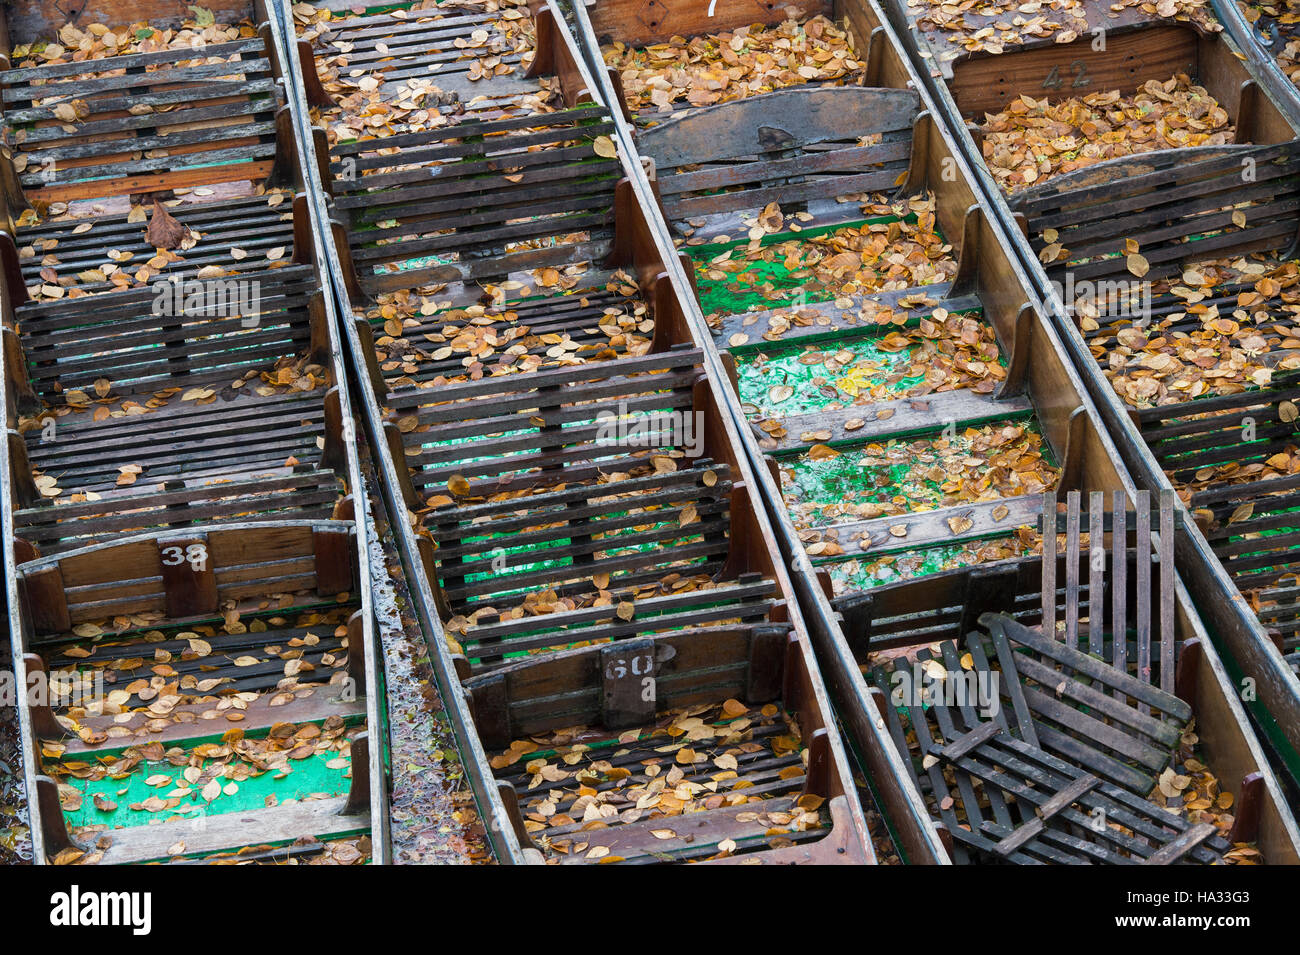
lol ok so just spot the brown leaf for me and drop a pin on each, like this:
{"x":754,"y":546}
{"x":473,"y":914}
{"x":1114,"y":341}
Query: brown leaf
{"x":164,"y":231}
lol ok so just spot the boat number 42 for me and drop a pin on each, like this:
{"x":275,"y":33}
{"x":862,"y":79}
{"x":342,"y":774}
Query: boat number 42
{"x":1054,"y":80}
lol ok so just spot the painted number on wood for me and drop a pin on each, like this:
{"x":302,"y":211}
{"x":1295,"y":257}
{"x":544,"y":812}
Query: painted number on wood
{"x":639,"y":669}
{"x":195,"y":554}
{"x":1078,"y":69}
{"x":622,"y":668}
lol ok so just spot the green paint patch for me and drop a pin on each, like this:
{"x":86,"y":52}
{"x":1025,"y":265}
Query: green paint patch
{"x":862,"y":573}
{"x":310,"y":776}
{"x":975,"y":464}
{"x":820,"y":379}
{"x":804,"y":378}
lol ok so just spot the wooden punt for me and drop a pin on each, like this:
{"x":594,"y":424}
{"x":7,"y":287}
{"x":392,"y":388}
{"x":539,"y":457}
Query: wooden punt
{"x":183,"y":559}
{"x":715,"y":169}
{"x":1225,"y":213}
{"x":615,"y":637}
{"x":1266,"y":34}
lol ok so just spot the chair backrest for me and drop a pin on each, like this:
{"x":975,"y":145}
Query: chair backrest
{"x":478,"y":199}
{"x":187,"y":331}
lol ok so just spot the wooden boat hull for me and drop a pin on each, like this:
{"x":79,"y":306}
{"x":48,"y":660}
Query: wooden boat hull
{"x":244,"y":509}
{"x":498,"y":699}
{"x":1057,"y":391}
{"x":1264,"y":120}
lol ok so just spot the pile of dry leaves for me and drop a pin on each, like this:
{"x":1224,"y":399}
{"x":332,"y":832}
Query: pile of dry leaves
{"x":691,"y":760}
{"x":1033,"y":140}
{"x":993,"y":26}
{"x":717,"y":68}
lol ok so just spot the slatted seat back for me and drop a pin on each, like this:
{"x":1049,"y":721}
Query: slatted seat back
{"x":1130,"y":582}
{"x":182,"y":573}
{"x":945,"y":605}
{"x":182,"y":333}
{"x":1175,"y":204}
{"x":1117,"y":726}
{"x":790,"y":146}
{"x":142,"y":122}
{"x":999,"y":753}
{"x":1237,"y":452}
{"x":405,"y":47}
{"x":478,"y":199}
{"x":605,"y":685}
{"x":551,"y":480}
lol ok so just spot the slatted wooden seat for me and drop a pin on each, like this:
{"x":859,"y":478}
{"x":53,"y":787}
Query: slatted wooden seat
{"x":204,"y":331}
{"x":643,"y":684}
{"x":422,"y":45}
{"x":255,"y":225}
{"x":791,"y":146}
{"x":1248,"y":513}
{"x":142,"y":574}
{"x":172,"y":581}
{"x":1043,"y":737}
{"x":199,"y":464}
{"x":460,"y":53}
{"x":1163,"y":201}
{"x":483,"y":199}
{"x":143,"y":122}
{"x":526,"y":332}
{"x":1146,"y":605}
{"x":1235,"y":433}
{"x":556,"y":505}
{"x":219,"y":664}
{"x":1115,"y":725}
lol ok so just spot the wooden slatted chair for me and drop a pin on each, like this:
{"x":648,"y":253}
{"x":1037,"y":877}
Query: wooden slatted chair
{"x":1124,"y":578}
{"x":429,"y":44}
{"x":1161,"y":201}
{"x":1040,"y":744}
{"x":194,"y":331}
{"x":477,"y":200}
{"x":144,"y":122}
{"x":261,"y":457}
{"x":1024,"y":792}
{"x":142,"y":126}
{"x":173,"y":579}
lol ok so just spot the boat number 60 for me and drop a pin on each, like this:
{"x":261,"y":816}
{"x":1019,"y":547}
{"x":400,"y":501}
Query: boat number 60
{"x":638,"y":666}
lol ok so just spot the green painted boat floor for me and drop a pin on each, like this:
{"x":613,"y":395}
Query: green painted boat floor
{"x":853,"y":367}
{"x":309,"y":777}
{"x":832,"y":374}
{"x":863,"y":573}
{"x":766,"y":280}
{"x":914,"y":474}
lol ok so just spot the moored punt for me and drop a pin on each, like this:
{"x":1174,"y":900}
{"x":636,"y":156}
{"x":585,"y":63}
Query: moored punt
{"x":908,"y":400}
{"x":1267,"y":33}
{"x":1168,"y":256}
{"x":613,"y":630}
{"x":187,"y":580}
